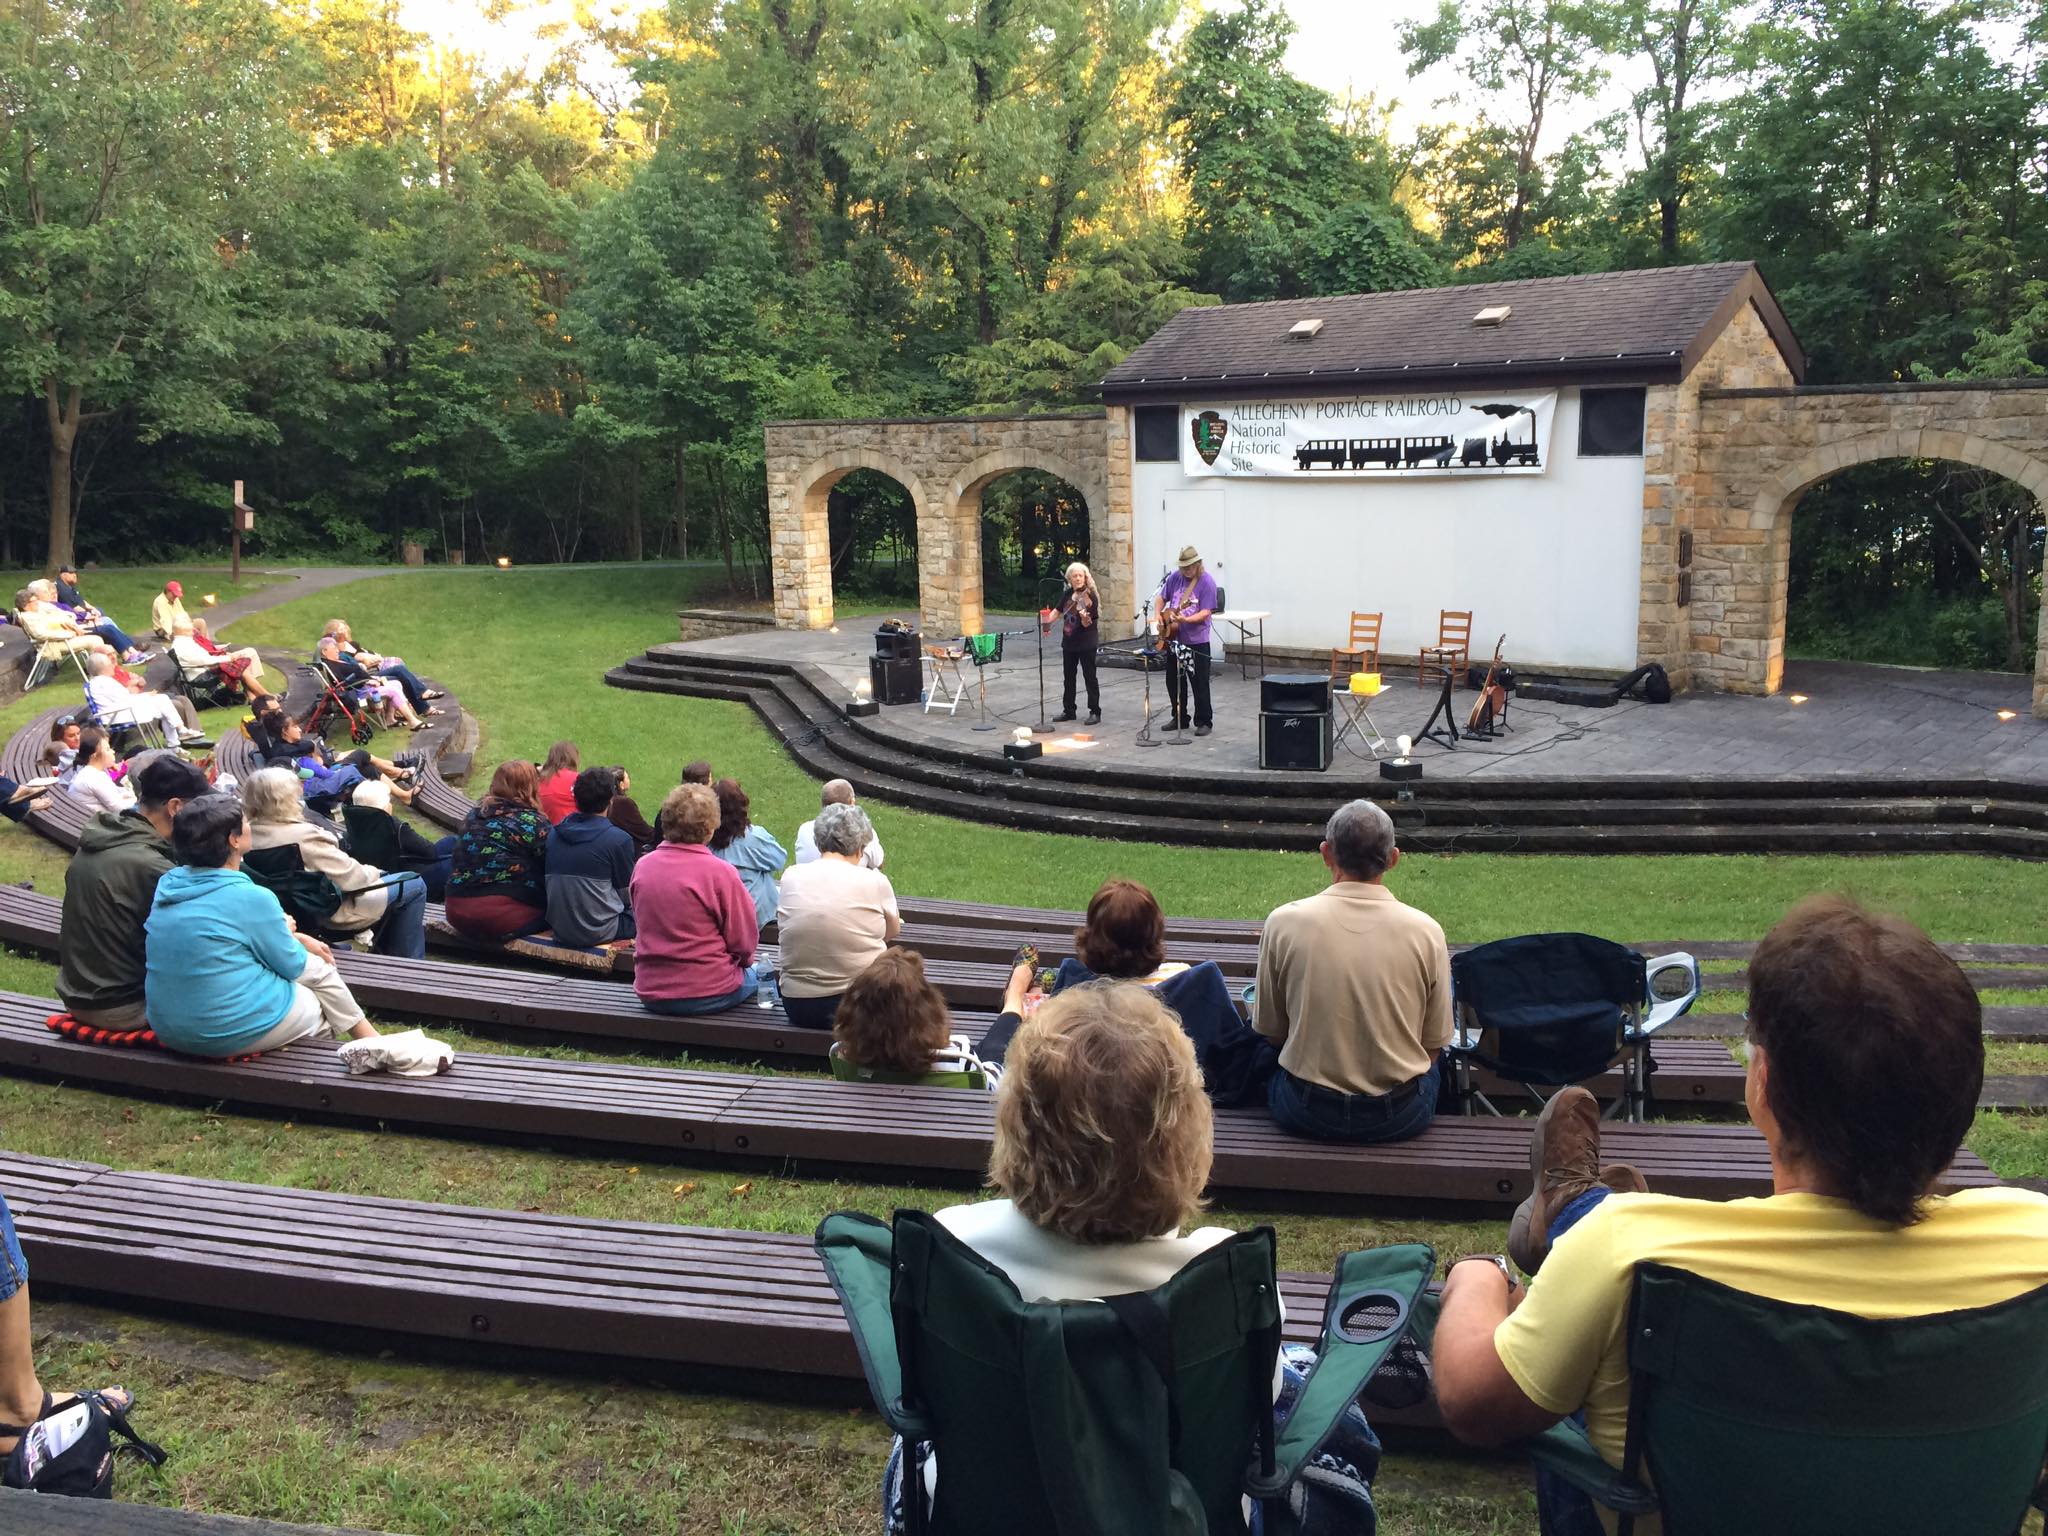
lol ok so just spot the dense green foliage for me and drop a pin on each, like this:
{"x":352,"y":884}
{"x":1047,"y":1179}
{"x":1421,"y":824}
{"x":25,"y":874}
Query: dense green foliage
{"x":544,"y":312}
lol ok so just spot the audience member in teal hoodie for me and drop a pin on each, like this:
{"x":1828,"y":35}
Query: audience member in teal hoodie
{"x":226,"y":975}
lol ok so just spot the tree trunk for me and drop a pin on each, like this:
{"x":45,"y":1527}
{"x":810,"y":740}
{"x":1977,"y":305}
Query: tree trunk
{"x":63,"y":435}
{"x":636,"y":535}
{"x":679,"y":505}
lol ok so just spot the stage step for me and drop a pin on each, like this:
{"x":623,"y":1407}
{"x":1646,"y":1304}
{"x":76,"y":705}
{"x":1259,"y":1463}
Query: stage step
{"x":1288,"y":811}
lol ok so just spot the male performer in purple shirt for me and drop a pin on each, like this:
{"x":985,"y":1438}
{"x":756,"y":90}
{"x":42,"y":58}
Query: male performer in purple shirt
{"x":1188,"y":598}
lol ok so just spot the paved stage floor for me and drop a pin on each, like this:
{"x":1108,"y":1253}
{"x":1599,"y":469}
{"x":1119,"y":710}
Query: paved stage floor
{"x":1857,"y":721}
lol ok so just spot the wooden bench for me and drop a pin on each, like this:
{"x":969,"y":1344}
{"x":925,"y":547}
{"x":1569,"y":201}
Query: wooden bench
{"x":28,"y":1514}
{"x":815,"y":1120}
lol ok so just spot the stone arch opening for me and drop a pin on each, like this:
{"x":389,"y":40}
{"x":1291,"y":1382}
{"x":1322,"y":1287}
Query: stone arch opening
{"x":959,"y":569}
{"x":1772,"y":514}
{"x":803,"y":536}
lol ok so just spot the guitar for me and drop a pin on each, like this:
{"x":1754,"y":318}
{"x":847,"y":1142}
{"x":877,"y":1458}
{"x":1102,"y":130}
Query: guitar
{"x":1493,"y":695}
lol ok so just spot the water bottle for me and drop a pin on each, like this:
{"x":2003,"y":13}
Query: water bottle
{"x":769,"y":996}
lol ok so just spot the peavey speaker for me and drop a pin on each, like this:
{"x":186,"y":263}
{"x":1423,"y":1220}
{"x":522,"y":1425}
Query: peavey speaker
{"x":1294,"y":693}
{"x":1299,"y":741}
{"x":894,"y":644}
{"x":895,"y":679}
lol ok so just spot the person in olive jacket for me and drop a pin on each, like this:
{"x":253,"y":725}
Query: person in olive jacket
{"x":108,"y":889}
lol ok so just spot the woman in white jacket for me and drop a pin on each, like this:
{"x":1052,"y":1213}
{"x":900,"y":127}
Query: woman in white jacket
{"x":394,"y":914}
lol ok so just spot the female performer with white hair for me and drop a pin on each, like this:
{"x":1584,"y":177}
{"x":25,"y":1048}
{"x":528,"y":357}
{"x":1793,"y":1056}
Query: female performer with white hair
{"x":1080,"y":609}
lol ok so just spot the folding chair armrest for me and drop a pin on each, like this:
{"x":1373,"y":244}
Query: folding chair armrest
{"x":1664,"y":1012}
{"x":397,"y":877}
{"x":859,"y":1256}
{"x":1346,"y":1358}
{"x":1564,"y":1450}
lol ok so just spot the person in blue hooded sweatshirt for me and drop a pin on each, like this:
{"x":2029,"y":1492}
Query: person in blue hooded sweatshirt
{"x":590,"y":867}
{"x":226,"y":974}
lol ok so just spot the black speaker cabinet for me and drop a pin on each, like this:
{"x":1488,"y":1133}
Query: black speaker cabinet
{"x":1295,"y":693}
{"x":895,"y":679}
{"x":1298,"y":741}
{"x":896,"y":644}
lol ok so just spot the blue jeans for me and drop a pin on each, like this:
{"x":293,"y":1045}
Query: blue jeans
{"x":401,"y":931}
{"x":436,"y":874}
{"x":1323,"y":1114}
{"x":1563,"y":1508}
{"x":415,"y":690}
{"x":13,"y":1267}
{"x":685,"y":1007}
{"x":115,"y":636}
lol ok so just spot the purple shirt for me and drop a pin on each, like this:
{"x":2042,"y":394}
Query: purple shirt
{"x":1170,"y":595}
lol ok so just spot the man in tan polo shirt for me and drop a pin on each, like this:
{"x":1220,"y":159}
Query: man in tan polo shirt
{"x":1355,"y":990}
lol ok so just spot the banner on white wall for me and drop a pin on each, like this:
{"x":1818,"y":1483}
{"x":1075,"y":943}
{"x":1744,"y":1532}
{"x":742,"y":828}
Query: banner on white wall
{"x":1504,"y":432}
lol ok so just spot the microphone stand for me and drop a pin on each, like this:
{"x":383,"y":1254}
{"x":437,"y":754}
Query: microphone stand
{"x":1044,"y":726}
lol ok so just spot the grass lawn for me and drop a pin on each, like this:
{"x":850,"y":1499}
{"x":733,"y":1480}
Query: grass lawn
{"x":299,"y":1429}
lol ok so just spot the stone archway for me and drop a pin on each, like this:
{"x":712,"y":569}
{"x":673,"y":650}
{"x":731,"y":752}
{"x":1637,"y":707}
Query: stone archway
{"x":944,"y":462}
{"x":1752,"y":451}
{"x":1774,"y":504}
{"x":801,"y":538}
{"x":959,"y":526}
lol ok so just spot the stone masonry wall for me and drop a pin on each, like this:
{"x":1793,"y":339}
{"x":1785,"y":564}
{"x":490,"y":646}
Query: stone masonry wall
{"x":944,"y":463}
{"x":1760,"y":448}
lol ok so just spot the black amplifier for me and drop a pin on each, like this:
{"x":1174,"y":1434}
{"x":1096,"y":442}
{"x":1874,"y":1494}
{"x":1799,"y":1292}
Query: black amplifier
{"x":1300,"y":741}
{"x":1294,"y":693}
{"x":895,"y":679}
{"x":896,"y":644}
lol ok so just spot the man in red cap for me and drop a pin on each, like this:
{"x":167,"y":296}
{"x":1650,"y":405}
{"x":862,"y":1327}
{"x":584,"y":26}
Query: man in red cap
{"x":168,"y":611}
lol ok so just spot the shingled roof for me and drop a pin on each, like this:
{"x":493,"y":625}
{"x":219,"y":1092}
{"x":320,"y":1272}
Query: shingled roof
{"x":1650,"y":326}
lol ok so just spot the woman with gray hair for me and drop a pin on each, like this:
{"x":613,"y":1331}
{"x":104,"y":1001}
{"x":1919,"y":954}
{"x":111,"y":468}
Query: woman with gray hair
{"x":833,"y":917}
{"x":394,"y":915}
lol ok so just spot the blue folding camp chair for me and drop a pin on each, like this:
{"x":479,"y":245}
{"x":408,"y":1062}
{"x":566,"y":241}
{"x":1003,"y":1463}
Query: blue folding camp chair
{"x":1550,"y":1009}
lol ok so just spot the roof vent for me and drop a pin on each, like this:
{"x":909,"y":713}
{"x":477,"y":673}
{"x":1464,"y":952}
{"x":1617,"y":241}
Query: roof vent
{"x":1493,"y":314}
{"x":1305,"y":330}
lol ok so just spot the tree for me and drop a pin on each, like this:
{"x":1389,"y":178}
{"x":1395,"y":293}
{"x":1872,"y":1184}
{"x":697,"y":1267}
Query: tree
{"x":1269,"y":167}
{"x":1534,"y":55}
{"x":125,"y":126}
{"x":1687,"y":45}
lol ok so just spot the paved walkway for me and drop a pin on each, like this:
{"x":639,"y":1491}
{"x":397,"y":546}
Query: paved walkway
{"x":1857,"y":722}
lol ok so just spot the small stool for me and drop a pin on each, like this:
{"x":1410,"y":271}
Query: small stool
{"x":1355,"y":704}
{"x":942,"y":679}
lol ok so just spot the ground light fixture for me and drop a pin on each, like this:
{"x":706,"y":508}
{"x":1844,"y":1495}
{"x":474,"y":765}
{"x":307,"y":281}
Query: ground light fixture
{"x":863,"y":704}
{"x":2008,"y":714}
{"x":1022,"y":748}
{"x":504,"y":562}
{"x":1798,"y":698}
{"x":1401,"y":770}
{"x":211,"y":599}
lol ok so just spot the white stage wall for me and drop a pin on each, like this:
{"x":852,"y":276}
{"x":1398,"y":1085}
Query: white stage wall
{"x":1554,"y":560}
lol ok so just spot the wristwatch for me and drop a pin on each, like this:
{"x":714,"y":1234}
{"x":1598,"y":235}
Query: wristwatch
{"x":1507,"y":1272}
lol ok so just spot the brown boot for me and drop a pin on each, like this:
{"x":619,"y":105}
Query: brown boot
{"x":1564,"y":1162}
{"x":1624,"y":1179}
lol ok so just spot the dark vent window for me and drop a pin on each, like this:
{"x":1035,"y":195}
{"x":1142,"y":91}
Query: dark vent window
{"x":1610,"y":423}
{"x":1159,"y":434}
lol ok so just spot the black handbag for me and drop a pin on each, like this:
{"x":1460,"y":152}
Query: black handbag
{"x":70,"y":1450}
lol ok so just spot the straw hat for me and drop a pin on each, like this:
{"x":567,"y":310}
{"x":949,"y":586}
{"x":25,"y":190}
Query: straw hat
{"x":1189,"y":556}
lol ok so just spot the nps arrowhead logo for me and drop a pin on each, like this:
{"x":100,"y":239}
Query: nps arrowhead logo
{"x":1209,"y":431}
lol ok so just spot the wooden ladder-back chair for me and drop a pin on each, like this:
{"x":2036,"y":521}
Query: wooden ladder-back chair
{"x":1453,"y":646}
{"x":1364,"y":650}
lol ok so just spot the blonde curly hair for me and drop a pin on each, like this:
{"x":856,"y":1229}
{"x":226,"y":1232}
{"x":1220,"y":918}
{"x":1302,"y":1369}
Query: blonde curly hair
{"x":1103,"y":1132}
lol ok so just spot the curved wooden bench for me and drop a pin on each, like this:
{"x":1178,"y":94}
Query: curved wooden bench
{"x":821,"y":1120}
{"x":28,"y":1514}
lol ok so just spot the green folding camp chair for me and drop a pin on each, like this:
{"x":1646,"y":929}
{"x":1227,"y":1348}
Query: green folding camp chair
{"x":850,"y":1072}
{"x":309,"y":898}
{"x":1142,"y":1415}
{"x":1748,"y":1415}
